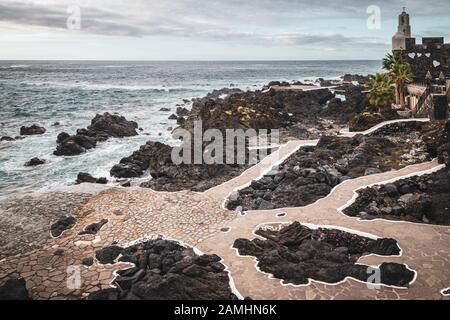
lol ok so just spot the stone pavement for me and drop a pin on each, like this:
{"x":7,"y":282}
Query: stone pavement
{"x":200,"y":220}
{"x":426,"y":249}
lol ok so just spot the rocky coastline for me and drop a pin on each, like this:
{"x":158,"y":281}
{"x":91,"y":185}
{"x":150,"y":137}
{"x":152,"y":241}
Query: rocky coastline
{"x":297,"y":114}
{"x":101,"y":129}
{"x":295,"y":254}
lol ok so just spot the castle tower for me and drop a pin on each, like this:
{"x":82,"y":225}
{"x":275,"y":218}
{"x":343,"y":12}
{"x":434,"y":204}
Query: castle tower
{"x":403,"y":32}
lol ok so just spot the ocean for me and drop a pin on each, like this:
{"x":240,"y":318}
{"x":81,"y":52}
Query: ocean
{"x":73,"y":92}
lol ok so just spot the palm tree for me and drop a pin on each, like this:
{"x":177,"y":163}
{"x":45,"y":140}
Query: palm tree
{"x":381,"y":92}
{"x":400,"y":75}
{"x":392,"y":59}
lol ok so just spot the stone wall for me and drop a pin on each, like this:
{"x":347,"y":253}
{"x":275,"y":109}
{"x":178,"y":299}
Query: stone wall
{"x":440,"y":107}
{"x":432,"y":55}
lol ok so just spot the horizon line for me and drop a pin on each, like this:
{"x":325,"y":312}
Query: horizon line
{"x":189,"y":60}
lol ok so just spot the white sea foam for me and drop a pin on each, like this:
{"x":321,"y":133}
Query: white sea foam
{"x":73,"y":92}
{"x":17,"y":66}
{"x":111,"y":86}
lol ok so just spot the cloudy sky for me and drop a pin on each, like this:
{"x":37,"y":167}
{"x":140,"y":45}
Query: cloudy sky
{"x":210,"y":29}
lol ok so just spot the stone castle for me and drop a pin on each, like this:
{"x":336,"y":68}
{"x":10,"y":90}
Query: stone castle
{"x":430,"y":64}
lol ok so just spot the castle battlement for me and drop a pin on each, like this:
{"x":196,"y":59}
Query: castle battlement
{"x":432,"y":55}
{"x":427,"y":43}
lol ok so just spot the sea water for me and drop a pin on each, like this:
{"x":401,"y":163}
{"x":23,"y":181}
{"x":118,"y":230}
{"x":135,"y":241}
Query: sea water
{"x":73,"y":92}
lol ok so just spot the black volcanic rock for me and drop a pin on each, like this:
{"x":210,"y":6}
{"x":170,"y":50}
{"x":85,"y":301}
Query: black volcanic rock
{"x":7,"y":139}
{"x":364,"y":121}
{"x":14,"y":289}
{"x":164,"y":270}
{"x":74,"y":145}
{"x":35,"y":162}
{"x":437,"y":140}
{"x":31,"y":131}
{"x":110,"y":125}
{"x":87,"y":178}
{"x":156,"y":158}
{"x":394,"y":274}
{"x":420,"y":199}
{"x":88,"y":262}
{"x":182,"y":112}
{"x":356,"y":102}
{"x":312,"y":172}
{"x":62,"y":137}
{"x":102,"y":127}
{"x":63,"y":223}
{"x":435,"y":136}
{"x":108,"y":255}
{"x":149,"y":155}
{"x":297,"y":253}
{"x":94,"y":227}
{"x":367,"y":120}
{"x":256,"y":109}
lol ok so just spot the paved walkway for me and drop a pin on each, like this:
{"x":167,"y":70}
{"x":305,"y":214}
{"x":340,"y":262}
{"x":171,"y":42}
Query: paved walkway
{"x":426,"y":248}
{"x":199,"y":219}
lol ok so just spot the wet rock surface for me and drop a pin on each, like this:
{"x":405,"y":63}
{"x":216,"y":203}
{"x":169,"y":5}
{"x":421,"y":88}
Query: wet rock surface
{"x":34,"y":162}
{"x":87,"y":178}
{"x":94,"y":228}
{"x":7,"y":139}
{"x":32,"y":130}
{"x":164,"y":270}
{"x":156,"y":159}
{"x":420,"y":199}
{"x":73,"y":145}
{"x":182,"y":111}
{"x":312,"y":172}
{"x":63,"y":224}
{"x":102,"y":128}
{"x":296,"y":253}
{"x":25,"y":221}
{"x":149,"y":155}
{"x":14,"y":289}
